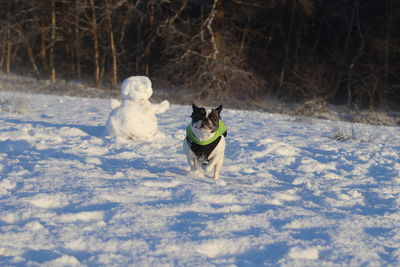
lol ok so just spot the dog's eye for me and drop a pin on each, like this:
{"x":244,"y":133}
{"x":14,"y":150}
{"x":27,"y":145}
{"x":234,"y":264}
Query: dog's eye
{"x":199,"y":114}
{"x":195,"y":117}
{"x":213,"y":118}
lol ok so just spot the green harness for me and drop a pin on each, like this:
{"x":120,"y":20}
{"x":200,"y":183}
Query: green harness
{"x":222,"y":129}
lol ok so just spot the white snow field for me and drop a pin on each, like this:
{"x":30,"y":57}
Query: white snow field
{"x":289,"y":194}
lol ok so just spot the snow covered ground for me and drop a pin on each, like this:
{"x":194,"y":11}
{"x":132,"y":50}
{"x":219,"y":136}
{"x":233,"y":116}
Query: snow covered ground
{"x":290,"y":195}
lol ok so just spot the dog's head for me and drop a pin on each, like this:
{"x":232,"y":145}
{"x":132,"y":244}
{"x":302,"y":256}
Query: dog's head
{"x":206,"y":119}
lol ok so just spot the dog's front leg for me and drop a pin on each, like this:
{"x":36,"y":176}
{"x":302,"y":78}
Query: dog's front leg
{"x":194,"y":165}
{"x":192,"y":160}
{"x":215,"y":166}
{"x":218,"y":167}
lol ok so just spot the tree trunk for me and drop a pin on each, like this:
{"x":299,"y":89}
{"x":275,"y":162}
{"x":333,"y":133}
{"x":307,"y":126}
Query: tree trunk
{"x":287,"y":46}
{"x":388,"y":44}
{"x":114,"y":67}
{"x":30,"y":56}
{"x":138,"y":43}
{"x":43,"y":37}
{"x":345,"y":56}
{"x":96,"y":53}
{"x":77,"y":42}
{"x":8,"y":49}
{"x":3,"y":52}
{"x":53,"y":41}
{"x":114,"y":76}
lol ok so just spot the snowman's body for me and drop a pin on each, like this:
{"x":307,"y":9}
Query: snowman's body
{"x":134,"y":117}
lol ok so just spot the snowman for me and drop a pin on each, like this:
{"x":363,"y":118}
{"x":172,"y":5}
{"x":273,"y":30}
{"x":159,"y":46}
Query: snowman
{"x":134,"y":118}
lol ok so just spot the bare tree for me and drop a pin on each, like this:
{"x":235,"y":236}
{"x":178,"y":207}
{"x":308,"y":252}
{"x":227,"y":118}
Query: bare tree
{"x":96,"y":51}
{"x":43,"y":29}
{"x":53,"y":41}
{"x":213,"y":49}
{"x":114,"y":66}
{"x":77,"y":39}
{"x":208,"y":60}
{"x":7,"y":42}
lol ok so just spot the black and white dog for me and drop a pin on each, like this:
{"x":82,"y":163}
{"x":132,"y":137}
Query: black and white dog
{"x":204,"y":144}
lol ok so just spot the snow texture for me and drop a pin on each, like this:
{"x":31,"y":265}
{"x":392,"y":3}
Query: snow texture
{"x":289,"y":194}
{"x":134,"y":118}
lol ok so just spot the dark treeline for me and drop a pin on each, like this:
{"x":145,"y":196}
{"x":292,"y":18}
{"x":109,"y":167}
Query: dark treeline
{"x":344,"y":51}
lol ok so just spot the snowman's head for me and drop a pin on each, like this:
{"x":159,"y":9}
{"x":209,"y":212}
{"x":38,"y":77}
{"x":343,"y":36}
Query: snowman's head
{"x":136,"y":88}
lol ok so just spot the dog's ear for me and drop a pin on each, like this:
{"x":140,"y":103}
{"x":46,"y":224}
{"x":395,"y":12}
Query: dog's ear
{"x":219,"y":109}
{"x":194,"y":107}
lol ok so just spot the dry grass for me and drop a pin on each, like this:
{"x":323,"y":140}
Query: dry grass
{"x":14,"y":104}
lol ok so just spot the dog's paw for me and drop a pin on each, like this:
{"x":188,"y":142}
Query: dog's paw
{"x":220,"y":182}
{"x":208,"y":168}
{"x":115,"y":103}
{"x":196,"y":173}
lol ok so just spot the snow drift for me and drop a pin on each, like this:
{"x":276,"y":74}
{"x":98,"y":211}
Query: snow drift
{"x":289,"y":194}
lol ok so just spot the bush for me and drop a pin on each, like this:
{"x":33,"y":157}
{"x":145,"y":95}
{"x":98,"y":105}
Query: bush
{"x":345,"y":132}
{"x":316,"y":108}
{"x":377,"y":118}
{"x":14,"y":104}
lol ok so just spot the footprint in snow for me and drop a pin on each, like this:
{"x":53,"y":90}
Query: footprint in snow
{"x":49,"y":201}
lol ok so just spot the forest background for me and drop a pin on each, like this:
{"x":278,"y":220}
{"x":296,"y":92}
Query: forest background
{"x":340,"y":51}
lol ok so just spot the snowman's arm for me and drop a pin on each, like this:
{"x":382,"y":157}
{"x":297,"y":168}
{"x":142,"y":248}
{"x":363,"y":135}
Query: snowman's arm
{"x":114,"y":103}
{"x":161,"y":108}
